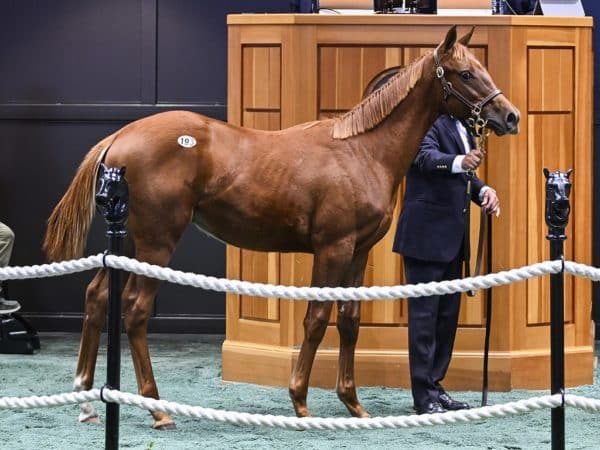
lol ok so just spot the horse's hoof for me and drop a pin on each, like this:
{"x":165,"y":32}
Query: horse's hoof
{"x":358,"y":411}
{"x":165,"y":426}
{"x":363,"y":415}
{"x":301,"y":411}
{"x":93,"y":419}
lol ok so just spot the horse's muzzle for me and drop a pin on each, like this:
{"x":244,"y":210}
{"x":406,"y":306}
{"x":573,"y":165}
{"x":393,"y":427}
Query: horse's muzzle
{"x":505,"y":121}
{"x":512,"y":121}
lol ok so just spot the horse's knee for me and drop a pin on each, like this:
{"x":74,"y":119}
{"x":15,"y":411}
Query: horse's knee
{"x":314,"y":328}
{"x":96,"y":299}
{"x":136,"y":316}
{"x":348,"y":325}
{"x":97,"y":290}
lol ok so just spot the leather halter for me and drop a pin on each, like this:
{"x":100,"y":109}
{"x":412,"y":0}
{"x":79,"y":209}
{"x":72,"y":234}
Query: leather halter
{"x":476,"y":123}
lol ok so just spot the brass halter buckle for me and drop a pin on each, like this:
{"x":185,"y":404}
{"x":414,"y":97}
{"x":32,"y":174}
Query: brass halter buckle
{"x":477,"y":123}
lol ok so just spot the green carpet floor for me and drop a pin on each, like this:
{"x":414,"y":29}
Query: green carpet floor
{"x":188,"y":371}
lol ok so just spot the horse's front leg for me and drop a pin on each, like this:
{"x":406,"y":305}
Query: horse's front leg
{"x":348,"y":323}
{"x":330,"y":264}
{"x":348,"y":320}
{"x":315,"y":325}
{"x":96,"y":299}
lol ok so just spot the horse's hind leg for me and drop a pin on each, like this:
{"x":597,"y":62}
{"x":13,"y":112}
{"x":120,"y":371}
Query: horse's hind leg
{"x":137,"y":309}
{"x":348,"y":322}
{"x":96,"y":298}
{"x":328,"y":267}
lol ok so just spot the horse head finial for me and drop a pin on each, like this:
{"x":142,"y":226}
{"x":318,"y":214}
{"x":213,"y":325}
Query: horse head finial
{"x":112,"y":196}
{"x":558,"y":189}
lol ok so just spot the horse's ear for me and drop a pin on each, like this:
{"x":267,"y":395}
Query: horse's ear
{"x":449,"y":40}
{"x":122,"y":171}
{"x":546,"y":172}
{"x":466,"y":38}
{"x":569,"y":172}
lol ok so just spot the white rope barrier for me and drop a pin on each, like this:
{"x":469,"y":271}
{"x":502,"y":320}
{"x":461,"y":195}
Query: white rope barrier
{"x":333,"y":293}
{"x":49,"y":401}
{"x":582,"y":270}
{"x":299,"y":293}
{"x":290,"y":292}
{"x":52,"y":269}
{"x":340,"y":423}
{"x":305,"y":423}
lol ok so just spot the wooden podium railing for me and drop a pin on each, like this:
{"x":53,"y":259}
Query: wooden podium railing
{"x":287,"y":69}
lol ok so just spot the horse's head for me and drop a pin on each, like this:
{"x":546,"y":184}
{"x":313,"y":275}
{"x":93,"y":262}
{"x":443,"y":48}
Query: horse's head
{"x":558,"y":189}
{"x":469,"y":91}
{"x":112,"y":193}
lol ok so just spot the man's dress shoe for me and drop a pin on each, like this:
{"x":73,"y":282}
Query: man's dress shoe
{"x":450,"y":404}
{"x":430,"y":408}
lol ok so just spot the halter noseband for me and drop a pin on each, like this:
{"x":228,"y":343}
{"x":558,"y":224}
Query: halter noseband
{"x":475,"y":123}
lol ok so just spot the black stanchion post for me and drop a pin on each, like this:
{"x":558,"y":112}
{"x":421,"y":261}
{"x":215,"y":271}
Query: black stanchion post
{"x":112,"y":201}
{"x":558,"y":188}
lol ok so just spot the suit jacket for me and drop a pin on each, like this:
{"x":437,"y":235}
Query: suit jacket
{"x":432,"y":221}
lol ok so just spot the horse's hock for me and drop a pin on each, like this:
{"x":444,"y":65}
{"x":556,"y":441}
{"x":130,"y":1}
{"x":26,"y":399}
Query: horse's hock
{"x":289,"y":69}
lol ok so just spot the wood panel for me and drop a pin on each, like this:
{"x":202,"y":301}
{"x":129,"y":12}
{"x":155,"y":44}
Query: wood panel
{"x":551,"y":146}
{"x":262,"y":77}
{"x":550,"y":79}
{"x":262,"y":120}
{"x":344,"y":72}
{"x":261,"y":100}
{"x":551,"y":90}
{"x":325,"y":65}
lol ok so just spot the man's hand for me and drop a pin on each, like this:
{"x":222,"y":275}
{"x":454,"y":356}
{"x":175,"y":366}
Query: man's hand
{"x":490,"y":202}
{"x":472,"y":160}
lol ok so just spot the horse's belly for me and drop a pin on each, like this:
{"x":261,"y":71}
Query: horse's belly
{"x":250,"y":235}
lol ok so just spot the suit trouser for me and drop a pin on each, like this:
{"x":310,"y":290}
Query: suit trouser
{"x":432,"y":323}
{"x":7,"y":238}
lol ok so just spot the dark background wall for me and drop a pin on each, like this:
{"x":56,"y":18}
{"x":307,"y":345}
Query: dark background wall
{"x":72,"y":72}
{"x":592,"y":8}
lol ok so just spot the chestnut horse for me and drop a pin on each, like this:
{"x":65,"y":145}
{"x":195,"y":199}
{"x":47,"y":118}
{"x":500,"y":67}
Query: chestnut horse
{"x":326,"y":187}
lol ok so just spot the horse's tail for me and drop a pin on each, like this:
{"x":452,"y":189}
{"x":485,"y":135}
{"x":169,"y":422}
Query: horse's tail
{"x":69,"y":223}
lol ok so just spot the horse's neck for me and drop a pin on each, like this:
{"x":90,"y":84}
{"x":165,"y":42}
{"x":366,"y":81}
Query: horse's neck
{"x":399,"y":136}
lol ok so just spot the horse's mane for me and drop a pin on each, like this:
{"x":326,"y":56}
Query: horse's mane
{"x":376,"y":107}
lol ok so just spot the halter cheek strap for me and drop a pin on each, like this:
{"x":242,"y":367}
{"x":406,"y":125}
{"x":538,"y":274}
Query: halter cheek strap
{"x":475,"y":122}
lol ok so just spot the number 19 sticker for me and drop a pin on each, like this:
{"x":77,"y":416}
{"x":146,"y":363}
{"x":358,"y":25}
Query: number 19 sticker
{"x":186,"y":141}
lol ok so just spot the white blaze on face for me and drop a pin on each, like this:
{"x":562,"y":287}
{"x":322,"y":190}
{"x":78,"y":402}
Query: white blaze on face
{"x":86,"y":409}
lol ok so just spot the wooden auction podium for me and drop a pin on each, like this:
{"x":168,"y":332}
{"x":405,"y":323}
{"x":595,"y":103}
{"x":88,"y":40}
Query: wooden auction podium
{"x":287,"y":69}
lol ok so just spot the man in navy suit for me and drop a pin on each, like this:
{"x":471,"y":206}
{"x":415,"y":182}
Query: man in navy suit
{"x":430,"y":236}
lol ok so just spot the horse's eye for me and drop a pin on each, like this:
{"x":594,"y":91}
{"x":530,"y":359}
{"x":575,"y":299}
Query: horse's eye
{"x":466,"y":75}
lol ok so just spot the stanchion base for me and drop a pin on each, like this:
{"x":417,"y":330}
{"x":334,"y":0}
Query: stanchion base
{"x":17,"y":336}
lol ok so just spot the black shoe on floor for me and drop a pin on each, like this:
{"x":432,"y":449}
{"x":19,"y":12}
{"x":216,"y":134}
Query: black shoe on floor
{"x":430,"y":408}
{"x":450,"y":404}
